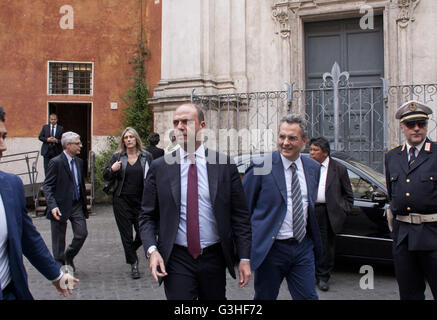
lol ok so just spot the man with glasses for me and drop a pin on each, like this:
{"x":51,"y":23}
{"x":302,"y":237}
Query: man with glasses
{"x":64,"y":189}
{"x":411,"y":173}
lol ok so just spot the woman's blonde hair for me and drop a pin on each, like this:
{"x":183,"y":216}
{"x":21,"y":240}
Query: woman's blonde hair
{"x":121,"y":147}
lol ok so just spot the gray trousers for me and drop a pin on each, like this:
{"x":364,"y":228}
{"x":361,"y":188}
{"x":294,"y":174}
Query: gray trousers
{"x":80,"y":232}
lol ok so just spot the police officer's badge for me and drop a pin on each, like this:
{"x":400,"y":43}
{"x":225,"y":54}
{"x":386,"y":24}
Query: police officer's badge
{"x":412,"y":107}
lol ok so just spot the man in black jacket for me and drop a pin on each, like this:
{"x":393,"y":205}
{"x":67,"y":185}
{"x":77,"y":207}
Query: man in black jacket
{"x":64,"y":189}
{"x":50,"y":136}
{"x":334,"y":201}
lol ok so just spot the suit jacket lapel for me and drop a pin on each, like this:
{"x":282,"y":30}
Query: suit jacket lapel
{"x":6,"y":193}
{"x":174,"y":174}
{"x":67,"y":165}
{"x":422,"y":157}
{"x":278,"y":174}
{"x":213,"y":173}
{"x":332,"y":168}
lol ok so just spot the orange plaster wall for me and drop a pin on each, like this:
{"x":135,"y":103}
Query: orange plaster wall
{"x":105,"y":33}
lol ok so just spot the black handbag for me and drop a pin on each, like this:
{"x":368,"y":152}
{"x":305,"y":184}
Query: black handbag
{"x":112,"y":185}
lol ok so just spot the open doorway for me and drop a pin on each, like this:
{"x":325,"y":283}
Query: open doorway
{"x":75,"y":117}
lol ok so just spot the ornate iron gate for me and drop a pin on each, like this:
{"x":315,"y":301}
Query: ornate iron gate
{"x":355,"y":120}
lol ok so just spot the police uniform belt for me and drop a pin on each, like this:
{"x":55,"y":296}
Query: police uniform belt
{"x":417,"y":218}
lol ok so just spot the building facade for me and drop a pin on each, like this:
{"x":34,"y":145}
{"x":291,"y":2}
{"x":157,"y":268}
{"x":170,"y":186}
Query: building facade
{"x":72,"y":58}
{"x":347,"y":65}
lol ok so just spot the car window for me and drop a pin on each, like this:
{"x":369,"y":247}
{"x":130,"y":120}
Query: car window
{"x":361,"y":188}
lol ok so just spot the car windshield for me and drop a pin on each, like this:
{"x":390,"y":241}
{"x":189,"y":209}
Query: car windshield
{"x":378,"y":176}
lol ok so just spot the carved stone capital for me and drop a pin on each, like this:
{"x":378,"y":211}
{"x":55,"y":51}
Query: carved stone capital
{"x":406,"y":13}
{"x":281,"y":14}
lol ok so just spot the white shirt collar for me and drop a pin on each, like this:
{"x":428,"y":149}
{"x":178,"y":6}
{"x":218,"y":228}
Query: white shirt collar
{"x":68,"y":157}
{"x":325,"y":162}
{"x":418,"y":148}
{"x":287,"y":163}
{"x":200,"y":153}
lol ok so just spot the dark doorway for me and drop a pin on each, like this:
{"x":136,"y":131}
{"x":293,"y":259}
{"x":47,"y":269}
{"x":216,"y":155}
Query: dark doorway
{"x":75,"y":117}
{"x":359,"y":123}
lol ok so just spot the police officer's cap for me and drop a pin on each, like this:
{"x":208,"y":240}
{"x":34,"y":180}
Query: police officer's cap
{"x":413,"y":110}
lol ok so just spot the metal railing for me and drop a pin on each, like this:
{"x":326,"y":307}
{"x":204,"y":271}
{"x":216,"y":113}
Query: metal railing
{"x":356,"y":120}
{"x":30,"y":159}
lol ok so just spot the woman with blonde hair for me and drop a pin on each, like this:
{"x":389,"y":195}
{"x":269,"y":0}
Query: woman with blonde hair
{"x":128,"y":166}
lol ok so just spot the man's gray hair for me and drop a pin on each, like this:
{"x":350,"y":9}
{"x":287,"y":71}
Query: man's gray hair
{"x":68,"y":137}
{"x":296,"y":118}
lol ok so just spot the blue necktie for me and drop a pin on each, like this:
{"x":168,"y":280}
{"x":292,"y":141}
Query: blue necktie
{"x":75,"y":187}
{"x":299,"y":224}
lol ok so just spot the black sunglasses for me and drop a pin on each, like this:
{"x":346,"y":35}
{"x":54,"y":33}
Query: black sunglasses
{"x":412,"y":124}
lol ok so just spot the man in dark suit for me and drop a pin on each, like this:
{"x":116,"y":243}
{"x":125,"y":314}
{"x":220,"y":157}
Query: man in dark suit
{"x":193,"y":199}
{"x":334,"y":202}
{"x":50,"y":136}
{"x":411,"y":174}
{"x":64,"y":189}
{"x":281,"y":189}
{"x":18,"y":237}
{"x":153,"y":139}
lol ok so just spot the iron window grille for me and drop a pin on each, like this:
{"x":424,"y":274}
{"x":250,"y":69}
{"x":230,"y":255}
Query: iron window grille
{"x":70,"y":78}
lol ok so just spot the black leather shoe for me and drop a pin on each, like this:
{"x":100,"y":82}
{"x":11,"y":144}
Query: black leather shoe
{"x":135,"y":274}
{"x":323,"y":285}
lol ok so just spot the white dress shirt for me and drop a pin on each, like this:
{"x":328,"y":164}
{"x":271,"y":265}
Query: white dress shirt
{"x":5,"y":275}
{"x":286,"y":230}
{"x":207,"y":222}
{"x":321,"y":198}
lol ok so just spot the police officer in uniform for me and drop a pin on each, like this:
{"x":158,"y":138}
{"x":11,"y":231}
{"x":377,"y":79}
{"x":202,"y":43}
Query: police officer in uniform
{"x":411,"y":173}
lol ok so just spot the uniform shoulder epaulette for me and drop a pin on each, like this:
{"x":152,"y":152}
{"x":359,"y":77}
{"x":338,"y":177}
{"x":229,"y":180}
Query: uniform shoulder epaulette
{"x":394,"y":148}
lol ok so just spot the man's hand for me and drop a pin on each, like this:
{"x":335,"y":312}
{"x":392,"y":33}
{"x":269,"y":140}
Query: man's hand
{"x":56,"y":214}
{"x":390,"y":219}
{"x":155,"y":262}
{"x":67,"y":282}
{"x":244,"y":272}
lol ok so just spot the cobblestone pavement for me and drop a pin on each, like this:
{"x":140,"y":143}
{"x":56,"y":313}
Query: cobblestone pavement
{"x":104,"y":275}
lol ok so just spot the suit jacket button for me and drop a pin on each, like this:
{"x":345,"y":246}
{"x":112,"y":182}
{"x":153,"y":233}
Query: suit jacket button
{"x":407,"y":194}
{"x":408,"y":180}
{"x":431,"y":178}
{"x":273,"y":238}
{"x":408,"y":209}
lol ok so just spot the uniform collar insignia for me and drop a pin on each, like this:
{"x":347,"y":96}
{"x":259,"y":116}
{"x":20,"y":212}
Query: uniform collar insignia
{"x":428,"y":146}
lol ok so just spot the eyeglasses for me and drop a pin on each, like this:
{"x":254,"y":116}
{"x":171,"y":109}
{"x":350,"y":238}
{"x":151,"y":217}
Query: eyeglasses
{"x":76,"y":143}
{"x":412,"y":124}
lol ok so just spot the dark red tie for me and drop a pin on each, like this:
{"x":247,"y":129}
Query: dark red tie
{"x":193,"y":235}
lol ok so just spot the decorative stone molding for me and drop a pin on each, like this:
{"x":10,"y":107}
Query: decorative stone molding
{"x":406,"y":13}
{"x":281,"y":15}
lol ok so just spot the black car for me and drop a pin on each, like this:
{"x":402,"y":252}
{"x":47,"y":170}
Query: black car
{"x":365,"y":235}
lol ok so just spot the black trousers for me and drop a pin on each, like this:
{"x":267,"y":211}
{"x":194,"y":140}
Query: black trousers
{"x":326,"y":265}
{"x":203,"y":278}
{"x":126,"y":210}
{"x":46,"y":163}
{"x":412,"y":268}
{"x":80,"y":232}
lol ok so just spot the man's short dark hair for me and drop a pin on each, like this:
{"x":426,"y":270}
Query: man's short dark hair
{"x":153,"y":138}
{"x":2,"y":114}
{"x":322,"y":143}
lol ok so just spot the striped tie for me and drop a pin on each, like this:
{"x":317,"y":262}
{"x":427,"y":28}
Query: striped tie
{"x":299,"y":224}
{"x":412,"y":153}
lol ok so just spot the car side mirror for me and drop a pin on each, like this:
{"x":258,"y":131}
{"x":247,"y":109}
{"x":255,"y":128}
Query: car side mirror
{"x":378,"y":196}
